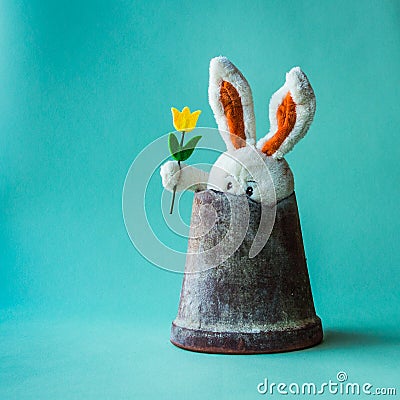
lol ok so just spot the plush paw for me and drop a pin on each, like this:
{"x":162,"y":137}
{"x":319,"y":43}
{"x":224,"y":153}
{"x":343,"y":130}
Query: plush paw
{"x":170,"y":174}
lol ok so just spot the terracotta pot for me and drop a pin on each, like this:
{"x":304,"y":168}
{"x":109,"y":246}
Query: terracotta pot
{"x":240,"y":304}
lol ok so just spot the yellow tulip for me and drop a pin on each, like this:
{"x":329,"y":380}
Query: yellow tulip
{"x":185,"y":121}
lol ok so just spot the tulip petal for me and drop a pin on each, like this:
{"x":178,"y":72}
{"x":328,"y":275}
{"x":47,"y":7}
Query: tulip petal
{"x":184,"y":121}
{"x":175,"y":117}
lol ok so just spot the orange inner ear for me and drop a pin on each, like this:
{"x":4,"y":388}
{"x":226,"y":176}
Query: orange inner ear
{"x":233,"y":110}
{"x":286,"y":117}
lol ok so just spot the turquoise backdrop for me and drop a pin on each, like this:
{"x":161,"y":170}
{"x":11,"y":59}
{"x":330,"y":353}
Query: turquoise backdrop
{"x":84,"y":86}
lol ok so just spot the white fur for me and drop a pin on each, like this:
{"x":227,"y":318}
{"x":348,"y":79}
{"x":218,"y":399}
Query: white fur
{"x":303,"y":96}
{"x":221,"y":69}
{"x":273,"y":179}
{"x":185,"y":178}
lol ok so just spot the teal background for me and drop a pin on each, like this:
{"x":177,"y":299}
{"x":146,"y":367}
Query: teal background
{"x":84,"y":86}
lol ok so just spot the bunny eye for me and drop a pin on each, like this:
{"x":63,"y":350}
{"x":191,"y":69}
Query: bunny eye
{"x":251,"y":188}
{"x":229,"y":186}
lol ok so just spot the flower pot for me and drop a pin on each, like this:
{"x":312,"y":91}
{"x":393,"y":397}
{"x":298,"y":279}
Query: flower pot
{"x":244,"y":305}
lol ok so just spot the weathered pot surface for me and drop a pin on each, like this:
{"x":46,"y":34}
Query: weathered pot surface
{"x":245,"y":305}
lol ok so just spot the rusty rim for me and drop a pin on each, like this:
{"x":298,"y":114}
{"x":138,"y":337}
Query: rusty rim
{"x":247,"y":342}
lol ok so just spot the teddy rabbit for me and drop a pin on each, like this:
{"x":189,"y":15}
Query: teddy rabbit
{"x":256,"y":169}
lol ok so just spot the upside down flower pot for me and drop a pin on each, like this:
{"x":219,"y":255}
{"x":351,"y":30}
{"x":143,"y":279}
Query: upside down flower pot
{"x":245,"y":305}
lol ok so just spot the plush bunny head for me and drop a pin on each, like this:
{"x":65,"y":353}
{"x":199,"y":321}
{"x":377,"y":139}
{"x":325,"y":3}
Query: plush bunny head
{"x":257,"y":169}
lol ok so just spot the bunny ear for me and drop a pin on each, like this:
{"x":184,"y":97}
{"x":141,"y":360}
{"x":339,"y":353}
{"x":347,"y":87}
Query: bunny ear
{"x":232,"y":103}
{"x":291,"y":111}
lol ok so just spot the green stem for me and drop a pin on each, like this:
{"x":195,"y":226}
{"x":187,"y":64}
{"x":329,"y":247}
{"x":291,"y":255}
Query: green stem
{"x":182,"y":137}
{"x":179,"y":164}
